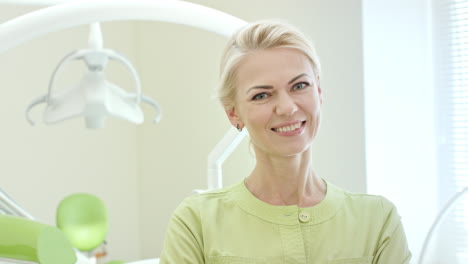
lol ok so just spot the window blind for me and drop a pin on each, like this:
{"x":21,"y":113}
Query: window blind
{"x":450,"y":35}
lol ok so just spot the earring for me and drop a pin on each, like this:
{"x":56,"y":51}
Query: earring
{"x":238,"y":128}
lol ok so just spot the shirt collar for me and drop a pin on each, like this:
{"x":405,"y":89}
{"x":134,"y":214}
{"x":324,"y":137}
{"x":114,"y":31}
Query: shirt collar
{"x":289,"y":215}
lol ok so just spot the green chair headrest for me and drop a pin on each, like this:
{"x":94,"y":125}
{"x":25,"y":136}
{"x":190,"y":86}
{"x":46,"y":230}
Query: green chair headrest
{"x":83,"y":219}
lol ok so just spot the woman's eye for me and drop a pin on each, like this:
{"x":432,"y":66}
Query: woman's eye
{"x":300,"y":86}
{"x":260,"y":96}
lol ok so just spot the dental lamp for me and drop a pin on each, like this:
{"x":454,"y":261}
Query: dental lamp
{"x":85,"y":12}
{"x":93,"y":97}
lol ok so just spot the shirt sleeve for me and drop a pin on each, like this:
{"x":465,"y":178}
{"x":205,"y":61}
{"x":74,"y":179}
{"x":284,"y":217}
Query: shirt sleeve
{"x":183,"y":242}
{"x":392,"y":245}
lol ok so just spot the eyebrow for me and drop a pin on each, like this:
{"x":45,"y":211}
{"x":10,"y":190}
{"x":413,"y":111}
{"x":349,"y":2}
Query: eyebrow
{"x":271,"y":87}
{"x":297,"y":77}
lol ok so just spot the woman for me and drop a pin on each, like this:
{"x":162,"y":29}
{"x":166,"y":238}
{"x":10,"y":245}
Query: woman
{"x":283,"y":212}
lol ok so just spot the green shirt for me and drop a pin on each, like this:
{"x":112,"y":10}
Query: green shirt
{"x":231,"y":225}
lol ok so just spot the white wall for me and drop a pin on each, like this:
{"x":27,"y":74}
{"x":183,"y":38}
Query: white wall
{"x":179,"y":67}
{"x":41,"y":165}
{"x":400,"y":128}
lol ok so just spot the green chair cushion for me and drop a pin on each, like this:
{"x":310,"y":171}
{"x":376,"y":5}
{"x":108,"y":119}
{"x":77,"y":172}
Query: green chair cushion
{"x":26,"y":240}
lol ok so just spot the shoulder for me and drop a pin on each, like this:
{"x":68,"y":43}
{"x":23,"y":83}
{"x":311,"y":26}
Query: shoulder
{"x":210,"y":200}
{"x":369,"y":201}
{"x":376,"y":209}
{"x":362,"y":200}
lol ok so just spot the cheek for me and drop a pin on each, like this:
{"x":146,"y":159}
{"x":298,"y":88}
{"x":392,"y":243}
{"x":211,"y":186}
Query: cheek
{"x":315,"y":102}
{"x":256,"y":118}
{"x":316,"y":109}
{"x":253,"y":119}
{"x":310,"y":104}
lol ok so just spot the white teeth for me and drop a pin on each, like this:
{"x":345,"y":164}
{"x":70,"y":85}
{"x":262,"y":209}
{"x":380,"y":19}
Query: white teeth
{"x":289,"y":128}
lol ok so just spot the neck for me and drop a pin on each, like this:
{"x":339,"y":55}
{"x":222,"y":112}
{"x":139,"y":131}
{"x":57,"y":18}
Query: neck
{"x":286,"y":180}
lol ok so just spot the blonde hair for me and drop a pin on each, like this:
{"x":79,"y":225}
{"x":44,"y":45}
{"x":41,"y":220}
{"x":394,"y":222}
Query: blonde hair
{"x":257,"y":36}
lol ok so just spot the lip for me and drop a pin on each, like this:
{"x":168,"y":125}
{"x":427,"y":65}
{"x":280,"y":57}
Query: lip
{"x":294,"y":132}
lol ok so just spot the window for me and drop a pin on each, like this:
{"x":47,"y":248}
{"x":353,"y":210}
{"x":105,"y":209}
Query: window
{"x":450,"y":24}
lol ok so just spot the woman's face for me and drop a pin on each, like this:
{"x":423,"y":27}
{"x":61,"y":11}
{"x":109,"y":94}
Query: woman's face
{"x":278,"y":100}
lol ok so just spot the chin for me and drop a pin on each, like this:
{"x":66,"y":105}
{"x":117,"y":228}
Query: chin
{"x":283,"y":149}
{"x":291,"y":151}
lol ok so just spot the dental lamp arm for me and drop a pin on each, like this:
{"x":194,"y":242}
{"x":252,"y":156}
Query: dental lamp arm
{"x":74,"y":13}
{"x":219,"y":154}
{"x":95,"y":36}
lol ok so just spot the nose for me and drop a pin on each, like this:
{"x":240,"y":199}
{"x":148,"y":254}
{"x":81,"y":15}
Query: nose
{"x":285,"y":105}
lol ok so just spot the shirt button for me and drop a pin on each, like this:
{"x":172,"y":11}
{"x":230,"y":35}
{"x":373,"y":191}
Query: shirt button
{"x":304,"y":217}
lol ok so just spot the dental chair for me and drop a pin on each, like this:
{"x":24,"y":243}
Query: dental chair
{"x":23,"y":240}
{"x":83,"y":219}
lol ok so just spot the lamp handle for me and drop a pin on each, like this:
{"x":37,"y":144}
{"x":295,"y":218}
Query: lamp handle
{"x":153,"y":103}
{"x":77,"y":54}
{"x":119,"y":57}
{"x":39,"y":100}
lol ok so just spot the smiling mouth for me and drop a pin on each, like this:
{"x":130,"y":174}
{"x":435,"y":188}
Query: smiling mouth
{"x":289,"y":128}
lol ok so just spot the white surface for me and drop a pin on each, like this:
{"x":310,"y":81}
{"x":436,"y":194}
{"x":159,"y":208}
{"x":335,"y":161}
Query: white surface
{"x":145,"y":261}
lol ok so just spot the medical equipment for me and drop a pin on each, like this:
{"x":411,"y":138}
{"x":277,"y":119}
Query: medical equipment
{"x":51,"y":19}
{"x":62,"y":16}
{"x":94,"y":97}
{"x":10,"y":207}
{"x":22,"y":238}
{"x":83,"y":219}
{"x":27,"y":240}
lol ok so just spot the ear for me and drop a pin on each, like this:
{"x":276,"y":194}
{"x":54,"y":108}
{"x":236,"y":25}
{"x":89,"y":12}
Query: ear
{"x":319,"y":89}
{"x":233,"y":116}
{"x":320,"y":94}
